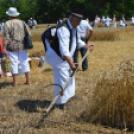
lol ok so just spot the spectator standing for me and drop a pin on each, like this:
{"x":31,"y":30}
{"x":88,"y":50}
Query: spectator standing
{"x":114,"y":21}
{"x":59,"y":21}
{"x":103,"y":20}
{"x":123,"y":17}
{"x":97,"y":21}
{"x":82,"y":30}
{"x":30,"y":23}
{"x":87,"y":19}
{"x":122,"y":20}
{"x":13,"y":42}
{"x":2,"y":25}
{"x":132,"y":20}
{"x":107,"y":21}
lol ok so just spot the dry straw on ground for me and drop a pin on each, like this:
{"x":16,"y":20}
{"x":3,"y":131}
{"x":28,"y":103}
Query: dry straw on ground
{"x":34,"y":63}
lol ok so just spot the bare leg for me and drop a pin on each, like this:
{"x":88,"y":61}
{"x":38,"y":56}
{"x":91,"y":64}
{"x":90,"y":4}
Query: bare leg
{"x":27,"y":75}
{"x":15,"y":80}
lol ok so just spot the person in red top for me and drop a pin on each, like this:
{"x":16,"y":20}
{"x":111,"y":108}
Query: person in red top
{"x":1,"y":47}
{"x":114,"y":21}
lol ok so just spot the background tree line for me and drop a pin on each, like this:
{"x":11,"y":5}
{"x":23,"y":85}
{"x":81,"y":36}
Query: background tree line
{"x":48,"y":11}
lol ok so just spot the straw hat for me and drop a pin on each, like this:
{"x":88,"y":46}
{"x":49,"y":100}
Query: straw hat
{"x":12,"y":11}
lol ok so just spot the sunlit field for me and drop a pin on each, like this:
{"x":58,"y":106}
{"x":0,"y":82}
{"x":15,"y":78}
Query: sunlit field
{"x":105,"y":103}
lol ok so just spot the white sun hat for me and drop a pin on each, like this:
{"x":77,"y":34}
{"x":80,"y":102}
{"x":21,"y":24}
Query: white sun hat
{"x":12,"y":11}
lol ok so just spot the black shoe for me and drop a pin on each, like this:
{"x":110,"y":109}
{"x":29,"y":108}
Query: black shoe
{"x":60,"y":106}
{"x":85,"y":69}
{"x":74,"y":97}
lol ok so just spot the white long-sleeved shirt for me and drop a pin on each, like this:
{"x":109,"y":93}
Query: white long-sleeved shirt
{"x":83,"y":27}
{"x":132,"y":19}
{"x":121,"y":22}
{"x":64,"y":38}
{"x":114,"y":20}
{"x":107,"y":21}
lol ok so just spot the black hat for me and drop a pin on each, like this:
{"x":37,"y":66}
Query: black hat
{"x":77,"y":13}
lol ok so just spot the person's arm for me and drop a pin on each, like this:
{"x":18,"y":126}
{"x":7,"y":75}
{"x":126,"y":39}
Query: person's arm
{"x":89,"y":47}
{"x":6,"y":37}
{"x":90,"y":34}
{"x":73,"y":66}
{"x":64,"y":36}
{"x":5,"y":41}
{"x":82,"y":44}
{"x":90,"y":29}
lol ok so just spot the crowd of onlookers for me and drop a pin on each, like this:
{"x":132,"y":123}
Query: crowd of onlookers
{"x":108,"y":21}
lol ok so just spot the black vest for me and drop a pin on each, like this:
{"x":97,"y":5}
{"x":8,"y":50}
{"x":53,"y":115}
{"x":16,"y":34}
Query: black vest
{"x":47,"y":35}
{"x":55,"y":43}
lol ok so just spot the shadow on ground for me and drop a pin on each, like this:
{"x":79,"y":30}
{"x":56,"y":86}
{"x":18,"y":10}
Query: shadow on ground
{"x":4,"y":84}
{"x":47,"y":70}
{"x":32,"y":106}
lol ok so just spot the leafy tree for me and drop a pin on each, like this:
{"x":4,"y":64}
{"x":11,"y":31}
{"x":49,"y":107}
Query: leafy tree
{"x":48,"y":11}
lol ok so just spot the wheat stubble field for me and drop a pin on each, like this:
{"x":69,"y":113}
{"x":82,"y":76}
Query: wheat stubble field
{"x":105,"y":103}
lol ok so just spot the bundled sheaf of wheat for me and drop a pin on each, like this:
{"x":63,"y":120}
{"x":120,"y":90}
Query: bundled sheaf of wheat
{"x":113,"y":100}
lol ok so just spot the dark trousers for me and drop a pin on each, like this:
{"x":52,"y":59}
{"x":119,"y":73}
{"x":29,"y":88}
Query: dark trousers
{"x":83,"y":52}
{"x":1,"y":55}
{"x":31,"y":26}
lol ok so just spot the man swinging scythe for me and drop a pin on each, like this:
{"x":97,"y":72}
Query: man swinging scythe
{"x":60,"y":52}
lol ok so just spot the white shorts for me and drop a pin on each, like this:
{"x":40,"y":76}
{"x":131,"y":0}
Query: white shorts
{"x":22,"y":57}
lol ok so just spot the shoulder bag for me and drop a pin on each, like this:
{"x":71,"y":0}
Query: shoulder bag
{"x":27,"y":40}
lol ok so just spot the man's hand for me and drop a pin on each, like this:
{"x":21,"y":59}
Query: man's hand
{"x":73,"y":66}
{"x":89,"y":47}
